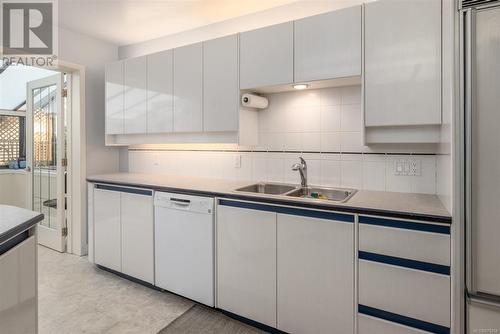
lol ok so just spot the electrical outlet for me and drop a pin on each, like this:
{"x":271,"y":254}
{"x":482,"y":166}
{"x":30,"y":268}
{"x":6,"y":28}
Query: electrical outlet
{"x":237,"y":161}
{"x":415,"y":167}
{"x":407,"y":167}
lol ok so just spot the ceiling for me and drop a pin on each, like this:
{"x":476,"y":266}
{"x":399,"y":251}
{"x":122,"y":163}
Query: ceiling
{"x":125,"y":22}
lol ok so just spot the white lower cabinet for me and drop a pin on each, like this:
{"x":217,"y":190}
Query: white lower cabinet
{"x":288,"y":268}
{"x":408,"y":292}
{"x":246,"y":261}
{"x":107,"y":229}
{"x":137,"y":236}
{"x":371,"y":325}
{"x":18,"y":292}
{"x":315,"y":277}
{"x":123,"y":230}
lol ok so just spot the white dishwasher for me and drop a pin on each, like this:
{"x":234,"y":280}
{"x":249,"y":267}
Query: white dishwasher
{"x":184,"y":245}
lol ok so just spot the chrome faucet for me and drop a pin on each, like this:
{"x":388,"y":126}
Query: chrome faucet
{"x":302,"y":168}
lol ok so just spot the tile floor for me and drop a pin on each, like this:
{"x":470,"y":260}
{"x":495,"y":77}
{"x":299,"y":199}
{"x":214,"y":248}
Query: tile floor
{"x":76,"y":297}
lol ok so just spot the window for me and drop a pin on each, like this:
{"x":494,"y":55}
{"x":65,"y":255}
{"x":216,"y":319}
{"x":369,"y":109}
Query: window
{"x":12,"y":139}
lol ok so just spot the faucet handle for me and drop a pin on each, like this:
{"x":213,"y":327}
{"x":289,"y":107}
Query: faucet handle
{"x":303,"y":162}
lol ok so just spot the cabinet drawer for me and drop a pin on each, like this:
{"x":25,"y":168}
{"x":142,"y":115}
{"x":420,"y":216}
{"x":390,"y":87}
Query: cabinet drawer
{"x":371,"y":325}
{"x":412,"y":293}
{"x":404,"y":239}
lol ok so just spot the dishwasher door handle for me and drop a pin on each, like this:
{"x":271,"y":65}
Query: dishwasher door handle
{"x":180,"y":201}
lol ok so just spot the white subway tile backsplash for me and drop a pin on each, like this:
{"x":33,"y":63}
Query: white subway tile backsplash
{"x":330,"y":118}
{"x":330,"y":142}
{"x":351,"y":174}
{"x":374,"y":175}
{"x":351,"y":119}
{"x":330,"y":96}
{"x":311,"y":141}
{"x":323,"y":120}
{"x":351,"y":95}
{"x":330,"y":173}
{"x":351,"y":142}
{"x":360,"y":171}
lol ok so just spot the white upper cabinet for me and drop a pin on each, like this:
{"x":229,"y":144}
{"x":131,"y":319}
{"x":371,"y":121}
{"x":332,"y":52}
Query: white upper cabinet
{"x":114,"y":98}
{"x":135,"y":115}
{"x":160,"y":85}
{"x":266,"y":56}
{"x":188,"y":90}
{"x":402,"y":63}
{"x":328,"y":46}
{"x":220,"y":84}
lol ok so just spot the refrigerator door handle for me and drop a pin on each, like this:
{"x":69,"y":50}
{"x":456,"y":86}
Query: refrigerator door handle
{"x":484,"y":301}
{"x":469,"y":105}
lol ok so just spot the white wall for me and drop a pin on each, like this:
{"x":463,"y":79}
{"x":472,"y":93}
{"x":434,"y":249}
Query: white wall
{"x":13,"y":188}
{"x":93,"y":54}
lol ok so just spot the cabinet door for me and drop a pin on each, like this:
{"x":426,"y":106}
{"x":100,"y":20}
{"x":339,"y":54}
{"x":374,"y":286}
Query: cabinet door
{"x":18,"y":289}
{"x":328,"y":45}
{"x":246,"y":263}
{"x":114,"y":98}
{"x":135,"y":95}
{"x":188,"y":89}
{"x":315,"y":275}
{"x":403,"y":62}
{"x":107,"y":230}
{"x":220,"y":84}
{"x":480,"y":317}
{"x":137,"y":236}
{"x":266,"y":56}
{"x":160,"y":101}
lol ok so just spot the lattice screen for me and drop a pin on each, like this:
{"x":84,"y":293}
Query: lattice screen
{"x":44,"y":137}
{"x":9,"y":139}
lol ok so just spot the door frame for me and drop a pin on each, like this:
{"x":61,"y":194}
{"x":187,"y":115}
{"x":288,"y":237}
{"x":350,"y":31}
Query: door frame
{"x":77,"y":171}
{"x":76,"y":241}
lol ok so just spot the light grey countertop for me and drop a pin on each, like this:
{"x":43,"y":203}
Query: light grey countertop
{"x":14,"y":220}
{"x":402,"y":205}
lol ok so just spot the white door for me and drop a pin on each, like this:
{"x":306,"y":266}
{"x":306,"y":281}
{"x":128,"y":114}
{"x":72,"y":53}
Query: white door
{"x":135,"y":95}
{"x":46,"y":158}
{"x":246,"y":263}
{"x":402,"y":63}
{"x":107,"y":228}
{"x":328,"y":46}
{"x":137,"y":240}
{"x":221,"y":95}
{"x":188,"y":88}
{"x":315,"y":275}
{"x":266,"y":56}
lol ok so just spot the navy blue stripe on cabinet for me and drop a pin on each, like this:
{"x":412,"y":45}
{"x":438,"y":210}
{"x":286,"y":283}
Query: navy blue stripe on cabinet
{"x":125,"y":190}
{"x":404,"y":224}
{"x":403,"y":320}
{"x":289,"y":211}
{"x":397,"y":261}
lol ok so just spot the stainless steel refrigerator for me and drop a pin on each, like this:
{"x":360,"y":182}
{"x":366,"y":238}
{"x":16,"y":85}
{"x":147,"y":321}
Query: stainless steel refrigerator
{"x":481,"y":88}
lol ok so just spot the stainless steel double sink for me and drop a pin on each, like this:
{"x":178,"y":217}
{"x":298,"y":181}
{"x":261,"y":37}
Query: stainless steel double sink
{"x":320,"y":193}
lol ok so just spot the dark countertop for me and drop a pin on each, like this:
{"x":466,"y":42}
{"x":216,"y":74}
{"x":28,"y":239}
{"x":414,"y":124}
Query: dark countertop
{"x":14,"y":220}
{"x":423,"y":207}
